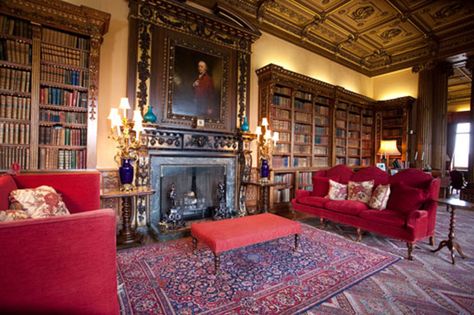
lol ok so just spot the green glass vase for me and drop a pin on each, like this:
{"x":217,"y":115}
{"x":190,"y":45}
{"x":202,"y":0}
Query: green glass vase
{"x":149,"y":117}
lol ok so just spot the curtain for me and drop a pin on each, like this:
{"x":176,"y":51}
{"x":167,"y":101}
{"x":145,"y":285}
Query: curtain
{"x":451,"y":140}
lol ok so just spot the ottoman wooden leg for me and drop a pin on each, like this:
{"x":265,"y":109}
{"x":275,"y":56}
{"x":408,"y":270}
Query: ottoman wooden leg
{"x":297,"y":237}
{"x":195,"y":244}
{"x":359,"y":235}
{"x":217,"y":263}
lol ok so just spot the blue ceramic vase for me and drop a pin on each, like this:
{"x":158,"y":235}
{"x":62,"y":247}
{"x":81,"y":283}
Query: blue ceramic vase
{"x":126,"y":172}
{"x":245,"y":125}
{"x":149,"y":117}
{"x":264,"y":169}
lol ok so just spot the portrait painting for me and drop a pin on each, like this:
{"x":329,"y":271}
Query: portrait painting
{"x":197,"y":84}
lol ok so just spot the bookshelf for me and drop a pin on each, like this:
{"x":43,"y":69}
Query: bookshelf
{"x":49,"y":84}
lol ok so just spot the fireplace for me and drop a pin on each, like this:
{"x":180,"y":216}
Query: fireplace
{"x":190,"y":184}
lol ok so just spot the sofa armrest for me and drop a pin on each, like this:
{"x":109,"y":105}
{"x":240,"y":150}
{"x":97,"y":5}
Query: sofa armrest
{"x":414,"y":216}
{"x":59,"y":265}
{"x":302,"y":193}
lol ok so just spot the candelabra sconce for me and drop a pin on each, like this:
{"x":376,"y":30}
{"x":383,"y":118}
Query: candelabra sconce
{"x":266,"y":141}
{"x":128,"y":136}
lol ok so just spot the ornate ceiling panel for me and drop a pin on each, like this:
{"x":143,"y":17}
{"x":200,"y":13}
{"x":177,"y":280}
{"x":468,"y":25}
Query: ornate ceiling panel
{"x":369,"y":36}
{"x":459,"y":89}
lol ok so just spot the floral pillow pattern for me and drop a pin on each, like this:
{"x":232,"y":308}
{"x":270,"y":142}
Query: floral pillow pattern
{"x":337,"y":191}
{"x":360,"y":191}
{"x":40,"y":202}
{"x":380,"y":197}
{"x":12,"y":215}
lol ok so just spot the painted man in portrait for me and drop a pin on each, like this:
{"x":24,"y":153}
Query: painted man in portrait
{"x":204,"y":94}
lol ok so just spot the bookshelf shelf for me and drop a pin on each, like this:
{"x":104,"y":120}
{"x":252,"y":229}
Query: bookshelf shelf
{"x":48,"y":73}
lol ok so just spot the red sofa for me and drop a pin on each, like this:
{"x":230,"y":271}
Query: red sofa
{"x":407,"y":188}
{"x":59,"y":265}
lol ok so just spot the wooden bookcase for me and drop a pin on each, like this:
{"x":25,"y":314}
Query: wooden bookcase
{"x":49,"y":84}
{"x":320,"y":126}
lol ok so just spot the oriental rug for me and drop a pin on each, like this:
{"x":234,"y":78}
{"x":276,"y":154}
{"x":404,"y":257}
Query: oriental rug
{"x":268,"y":278}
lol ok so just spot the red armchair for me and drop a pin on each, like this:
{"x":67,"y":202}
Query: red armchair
{"x":59,"y":265}
{"x":393,"y":222}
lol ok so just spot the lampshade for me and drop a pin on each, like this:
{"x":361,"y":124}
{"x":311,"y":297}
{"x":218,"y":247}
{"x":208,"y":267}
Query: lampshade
{"x":388,"y":147}
{"x":276,"y":136}
{"x":113,"y":113}
{"x":268,"y":134}
{"x":137,"y":116}
{"x":264,"y":122}
{"x":124,"y":104}
{"x":258,"y":130}
{"x":138,"y":127}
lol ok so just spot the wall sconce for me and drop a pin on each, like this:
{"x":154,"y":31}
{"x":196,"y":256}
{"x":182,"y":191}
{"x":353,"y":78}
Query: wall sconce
{"x":266,"y":140}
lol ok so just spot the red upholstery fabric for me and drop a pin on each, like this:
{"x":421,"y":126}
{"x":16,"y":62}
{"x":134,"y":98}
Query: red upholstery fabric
{"x":7,"y":184}
{"x":371,"y":173}
{"x":313,"y":201}
{"x":80,"y":190}
{"x":302,"y":193}
{"x":406,"y":199}
{"x":352,"y":207}
{"x":412,"y":177}
{"x":59,"y":265}
{"x":228,"y":234}
{"x":340,"y":173}
{"x":384,"y":217}
{"x":320,"y":186}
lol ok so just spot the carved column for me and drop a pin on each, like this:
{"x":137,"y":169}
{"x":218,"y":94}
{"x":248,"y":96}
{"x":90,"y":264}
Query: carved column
{"x":470,"y":67}
{"x":432,"y":108}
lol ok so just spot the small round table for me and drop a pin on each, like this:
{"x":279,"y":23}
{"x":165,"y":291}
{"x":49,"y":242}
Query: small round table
{"x":450,"y":243}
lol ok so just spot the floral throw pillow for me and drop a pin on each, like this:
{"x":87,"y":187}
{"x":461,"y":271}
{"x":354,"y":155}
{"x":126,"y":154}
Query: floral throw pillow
{"x":12,"y":215}
{"x":337,"y":191}
{"x":360,"y":191}
{"x":40,"y":202}
{"x":380,"y":197}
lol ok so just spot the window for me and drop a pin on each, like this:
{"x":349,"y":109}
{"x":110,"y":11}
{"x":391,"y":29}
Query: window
{"x":461,"y":146}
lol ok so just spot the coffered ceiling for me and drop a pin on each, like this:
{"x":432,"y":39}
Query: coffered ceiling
{"x":370,"y":36}
{"x":459,"y":89}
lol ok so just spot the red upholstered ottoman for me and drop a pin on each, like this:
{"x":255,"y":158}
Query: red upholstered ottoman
{"x":229,"y":234}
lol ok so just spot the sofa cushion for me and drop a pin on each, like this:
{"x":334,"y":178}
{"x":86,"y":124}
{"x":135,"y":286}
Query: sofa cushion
{"x":388,"y":216}
{"x":7,"y":185}
{"x":371,"y":173}
{"x":337,"y":191}
{"x":406,"y":199}
{"x":340,"y":173}
{"x":41,"y":202}
{"x":12,"y":215}
{"x":314,"y":201}
{"x":380,"y":197}
{"x":412,"y":177}
{"x":346,"y":206}
{"x":320,"y":186}
{"x":360,"y":191}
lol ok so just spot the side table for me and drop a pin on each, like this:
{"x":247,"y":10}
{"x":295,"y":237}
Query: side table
{"x":127,"y":235}
{"x":265,"y":191}
{"x":450,"y":243}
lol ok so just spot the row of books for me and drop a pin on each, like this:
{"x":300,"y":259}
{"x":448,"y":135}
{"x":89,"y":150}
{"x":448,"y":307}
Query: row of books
{"x":62,"y":136}
{"x":392,"y":113}
{"x":353,"y":143}
{"x":54,"y":74}
{"x":367,"y":112}
{"x":301,"y":149}
{"x":286,"y":178}
{"x":301,"y":138}
{"x":14,"y":51}
{"x":392,"y":133}
{"x":299,"y":128}
{"x":281,"y":101}
{"x":354,"y":125}
{"x":304,"y":95}
{"x":340,"y":160}
{"x":15,"y":27}
{"x":280,"y":113}
{"x":304,"y":117}
{"x":353,"y":135}
{"x":64,"y":55}
{"x":340,"y":123}
{"x":322,"y":100}
{"x":281,"y":125}
{"x":321,"y":131}
{"x":282,"y":195}
{"x":354,"y":118}
{"x":58,"y":96}
{"x":283,"y":90}
{"x":353,"y":151}
{"x":320,"y":161}
{"x":301,"y":162}
{"x":15,"y":107}
{"x":367,"y":120}
{"x":322,"y":110}
{"x":319,"y":150}
{"x":282,"y":148}
{"x":367,"y":129}
{"x":280,"y":161}
{"x":341,"y":151}
{"x":14,"y":133}
{"x":15,"y":80}
{"x":51,"y":158}
{"x":354,"y":161}
{"x":342,"y":106}
{"x":65,"y":39}
{"x":367,"y":152}
{"x":305,"y":179}
{"x":392,"y":122}
{"x":303,"y":106}
{"x":341,"y":114}
{"x":321,"y":140}
{"x":10,"y":155}
{"x":340,"y":133}
{"x":64,"y":117}
{"x":341,"y":142}
{"x":285,"y":136}
{"x":321,"y":120}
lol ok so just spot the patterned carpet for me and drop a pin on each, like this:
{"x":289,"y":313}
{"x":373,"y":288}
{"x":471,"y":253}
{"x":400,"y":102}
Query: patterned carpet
{"x":269,"y":278}
{"x":428,"y":285}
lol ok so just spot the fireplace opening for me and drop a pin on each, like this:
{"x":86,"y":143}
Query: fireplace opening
{"x":191,"y":190}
